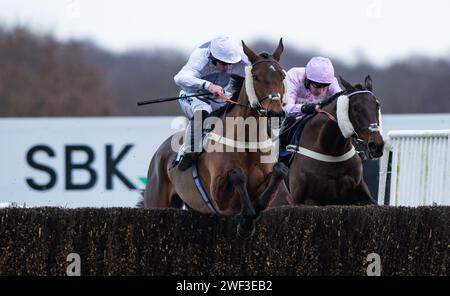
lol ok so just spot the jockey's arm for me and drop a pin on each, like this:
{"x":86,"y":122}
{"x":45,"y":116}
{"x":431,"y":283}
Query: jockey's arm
{"x":215,"y":90}
{"x":189,"y":75}
{"x":294,"y":101}
{"x":292,"y":108}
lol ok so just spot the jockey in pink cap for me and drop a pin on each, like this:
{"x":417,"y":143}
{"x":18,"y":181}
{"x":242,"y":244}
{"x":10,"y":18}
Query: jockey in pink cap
{"x":309,"y":86}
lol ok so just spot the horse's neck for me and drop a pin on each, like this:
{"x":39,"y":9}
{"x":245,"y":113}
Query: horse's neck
{"x":240,"y":114}
{"x":328,"y":136}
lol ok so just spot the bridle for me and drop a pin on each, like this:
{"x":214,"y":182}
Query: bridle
{"x":372,"y":127}
{"x":255,"y":102}
{"x":345,"y":126}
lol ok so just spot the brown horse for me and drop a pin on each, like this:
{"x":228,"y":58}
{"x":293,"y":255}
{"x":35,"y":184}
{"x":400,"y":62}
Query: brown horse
{"x":325,"y":168}
{"x":245,"y":178}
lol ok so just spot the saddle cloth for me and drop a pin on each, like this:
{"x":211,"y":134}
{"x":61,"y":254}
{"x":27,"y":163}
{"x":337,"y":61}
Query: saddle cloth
{"x":290,"y":134}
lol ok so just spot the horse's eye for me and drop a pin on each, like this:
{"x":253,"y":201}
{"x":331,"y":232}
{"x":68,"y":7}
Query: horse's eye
{"x":255,"y":77}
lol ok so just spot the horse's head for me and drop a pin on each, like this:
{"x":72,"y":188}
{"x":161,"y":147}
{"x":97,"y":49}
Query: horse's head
{"x":364,"y":116}
{"x":265,"y":81}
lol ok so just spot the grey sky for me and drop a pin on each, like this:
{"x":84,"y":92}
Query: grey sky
{"x":380,"y":30}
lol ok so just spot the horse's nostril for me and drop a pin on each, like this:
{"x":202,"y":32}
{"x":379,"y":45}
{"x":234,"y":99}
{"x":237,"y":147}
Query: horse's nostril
{"x":375,"y":149}
{"x":275,"y":114}
{"x":372,"y":145}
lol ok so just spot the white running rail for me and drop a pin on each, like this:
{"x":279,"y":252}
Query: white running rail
{"x":420,"y":168}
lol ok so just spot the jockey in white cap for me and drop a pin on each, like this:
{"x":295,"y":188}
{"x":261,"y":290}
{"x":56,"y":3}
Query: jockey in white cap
{"x":208,"y":69}
{"x":310,"y":86}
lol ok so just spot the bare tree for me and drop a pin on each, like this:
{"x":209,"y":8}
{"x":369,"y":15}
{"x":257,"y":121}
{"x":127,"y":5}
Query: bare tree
{"x":42,"y":77}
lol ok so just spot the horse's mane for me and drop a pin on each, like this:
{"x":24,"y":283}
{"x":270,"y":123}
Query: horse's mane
{"x":236,"y":83}
{"x":338,"y":94}
{"x":332,"y":98}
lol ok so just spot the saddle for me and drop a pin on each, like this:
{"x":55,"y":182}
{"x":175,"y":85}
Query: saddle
{"x":290,"y":134}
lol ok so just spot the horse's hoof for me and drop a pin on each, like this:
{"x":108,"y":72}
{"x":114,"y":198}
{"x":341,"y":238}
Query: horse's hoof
{"x":372,"y":202}
{"x":236,"y":176}
{"x":243,"y":233}
{"x":280,"y":170}
{"x":368,"y":202}
{"x":258,"y":210}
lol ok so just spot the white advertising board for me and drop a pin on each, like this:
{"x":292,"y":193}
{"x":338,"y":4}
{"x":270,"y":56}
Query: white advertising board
{"x":101,"y":162}
{"x":79,"y":162}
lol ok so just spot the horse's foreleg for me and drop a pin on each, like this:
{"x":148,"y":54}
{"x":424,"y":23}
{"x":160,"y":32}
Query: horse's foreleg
{"x":362,"y":195}
{"x":282,"y":198}
{"x":246,"y":225}
{"x":279,"y":172}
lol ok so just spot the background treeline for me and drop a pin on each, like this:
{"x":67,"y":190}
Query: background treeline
{"x":41,"y":76}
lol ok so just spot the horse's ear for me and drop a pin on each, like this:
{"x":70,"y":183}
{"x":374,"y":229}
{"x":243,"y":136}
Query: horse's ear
{"x":277,"y":53}
{"x":368,"y":82}
{"x":346,"y":84}
{"x":249,"y":53}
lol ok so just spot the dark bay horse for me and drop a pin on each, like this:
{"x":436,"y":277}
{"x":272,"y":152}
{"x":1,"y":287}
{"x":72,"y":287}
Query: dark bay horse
{"x":239,"y":175}
{"x":325,"y":169}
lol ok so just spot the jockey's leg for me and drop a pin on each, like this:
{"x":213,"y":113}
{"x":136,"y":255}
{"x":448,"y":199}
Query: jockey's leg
{"x":284,"y":132}
{"x":197,"y":111}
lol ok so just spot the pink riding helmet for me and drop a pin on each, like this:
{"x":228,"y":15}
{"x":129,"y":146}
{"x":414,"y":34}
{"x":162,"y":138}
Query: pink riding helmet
{"x":320,"y":69}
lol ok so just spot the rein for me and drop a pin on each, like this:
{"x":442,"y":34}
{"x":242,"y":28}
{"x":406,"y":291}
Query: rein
{"x":373,"y":127}
{"x":262,"y":112}
{"x":231,"y":101}
{"x":329,"y":115}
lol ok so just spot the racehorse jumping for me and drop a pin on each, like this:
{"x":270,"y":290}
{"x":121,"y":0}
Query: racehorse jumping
{"x":325,"y":168}
{"x":243,"y":181}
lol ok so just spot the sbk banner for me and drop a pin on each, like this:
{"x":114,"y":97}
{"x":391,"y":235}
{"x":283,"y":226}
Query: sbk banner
{"x":79,"y":162}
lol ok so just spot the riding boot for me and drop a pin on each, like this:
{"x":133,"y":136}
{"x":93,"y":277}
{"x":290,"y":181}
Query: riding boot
{"x":194,"y":141}
{"x":285,"y":132}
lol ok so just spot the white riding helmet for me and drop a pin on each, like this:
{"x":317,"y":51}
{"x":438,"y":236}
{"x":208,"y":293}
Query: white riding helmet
{"x":225,"y":50}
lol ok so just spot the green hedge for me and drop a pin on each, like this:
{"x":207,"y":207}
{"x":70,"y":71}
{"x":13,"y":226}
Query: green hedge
{"x":287,"y":241}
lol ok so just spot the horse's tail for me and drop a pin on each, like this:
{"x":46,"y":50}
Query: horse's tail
{"x":140,"y":203}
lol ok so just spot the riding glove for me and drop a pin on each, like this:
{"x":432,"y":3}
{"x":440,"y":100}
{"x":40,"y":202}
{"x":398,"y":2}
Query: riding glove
{"x":308,"y":108}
